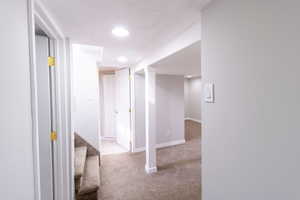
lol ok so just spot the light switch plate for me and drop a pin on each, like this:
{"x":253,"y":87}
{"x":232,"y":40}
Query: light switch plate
{"x":209,"y":93}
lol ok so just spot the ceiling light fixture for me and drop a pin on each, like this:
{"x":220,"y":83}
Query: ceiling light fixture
{"x":120,"y":31}
{"x":122,"y":59}
{"x":189,"y":76}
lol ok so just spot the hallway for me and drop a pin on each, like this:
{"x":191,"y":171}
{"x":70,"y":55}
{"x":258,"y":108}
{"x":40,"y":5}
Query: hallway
{"x":109,"y":147}
{"x":178,"y":178}
{"x":244,"y":52}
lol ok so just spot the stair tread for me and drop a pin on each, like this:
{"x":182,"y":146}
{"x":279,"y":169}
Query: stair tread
{"x":91,"y":176}
{"x":80,"y":159}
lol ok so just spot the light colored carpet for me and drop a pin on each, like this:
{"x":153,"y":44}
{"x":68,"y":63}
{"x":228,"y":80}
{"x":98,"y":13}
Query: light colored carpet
{"x":178,"y":178}
{"x":111,"y":147}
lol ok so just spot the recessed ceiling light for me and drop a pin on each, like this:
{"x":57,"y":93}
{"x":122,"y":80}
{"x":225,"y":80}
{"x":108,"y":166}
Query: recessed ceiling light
{"x":189,"y":76}
{"x":120,"y":31}
{"x":122,"y":59}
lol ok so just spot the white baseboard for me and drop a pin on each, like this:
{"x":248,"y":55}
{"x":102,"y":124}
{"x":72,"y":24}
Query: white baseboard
{"x":168,"y":144}
{"x":161,"y":145}
{"x":140,"y":149}
{"x":150,"y":170}
{"x":192,"y":119}
{"x":108,"y":138}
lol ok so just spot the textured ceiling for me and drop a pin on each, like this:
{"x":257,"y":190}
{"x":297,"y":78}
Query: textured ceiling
{"x":151,"y":23}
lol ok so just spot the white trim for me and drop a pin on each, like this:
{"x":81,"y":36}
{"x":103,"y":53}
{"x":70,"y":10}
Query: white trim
{"x":150,"y":117}
{"x":103,"y":138}
{"x":46,"y":21}
{"x":139,"y":149}
{"x":34,"y":100}
{"x":37,"y":14}
{"x":68,"y":111}
{"x":72,"y":121}
{"x":192,"y":119}
{"x":132,"y":114}
{"x":168,"y":144}
{"x":150,"y":170}
{"x":162,"y":145}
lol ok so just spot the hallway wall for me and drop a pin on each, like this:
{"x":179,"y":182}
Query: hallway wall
{"x":140,"y":110}
{"x":86,"y":93}
{"x":251,"y":133}
{"x":192,"y":98}
{"x":170,"y":109}
{"x":16,"y":152}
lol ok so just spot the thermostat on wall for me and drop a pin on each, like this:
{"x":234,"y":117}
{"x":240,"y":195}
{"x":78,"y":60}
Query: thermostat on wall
{"x":209,"y":94}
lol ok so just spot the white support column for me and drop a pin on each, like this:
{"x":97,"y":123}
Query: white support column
{"x":150,"y":111}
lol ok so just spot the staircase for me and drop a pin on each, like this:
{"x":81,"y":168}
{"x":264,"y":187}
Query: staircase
{"x":87,"y":170}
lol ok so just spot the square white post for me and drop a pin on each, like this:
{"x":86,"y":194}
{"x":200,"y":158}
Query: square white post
{"x":150,"y":112}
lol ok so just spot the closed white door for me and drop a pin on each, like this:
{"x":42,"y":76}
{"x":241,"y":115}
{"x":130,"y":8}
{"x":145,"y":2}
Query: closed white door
{"x":109,"y":106}
{"x":44,"y":117}
{"x":123,"y":108}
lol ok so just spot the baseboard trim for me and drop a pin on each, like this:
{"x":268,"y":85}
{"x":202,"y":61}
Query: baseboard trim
{"x":140,"y":149}
{"x":192,"y":119}
{"x":109,"y":138}
{"x":161,"y":145}
{"x":150,"y":170}
{"x":168,"y":144}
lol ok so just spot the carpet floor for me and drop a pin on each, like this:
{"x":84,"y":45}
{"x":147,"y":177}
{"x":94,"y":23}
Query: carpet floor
{"x":108,"y":147}
{"x":123,"y":176}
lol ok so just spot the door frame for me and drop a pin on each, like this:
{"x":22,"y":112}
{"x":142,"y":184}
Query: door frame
{"x":63,"y":181}
{"x":132,"y":107}
{"x":132,"y":114}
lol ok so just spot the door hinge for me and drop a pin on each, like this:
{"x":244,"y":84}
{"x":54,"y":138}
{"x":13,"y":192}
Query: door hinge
{"x":53,"y":136}
{"x":51,"y":61}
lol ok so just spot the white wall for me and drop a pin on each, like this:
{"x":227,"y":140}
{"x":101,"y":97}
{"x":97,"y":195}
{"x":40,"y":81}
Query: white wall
{"x":86,"y":93}
{"x":186,"y":98}
{"x":169,"y":109}
{"x":192,"y":98}
{"x":101,"y":105}
{"x":16,"y":168}
{"x":251,"y":134}
{"x":139,"y":110}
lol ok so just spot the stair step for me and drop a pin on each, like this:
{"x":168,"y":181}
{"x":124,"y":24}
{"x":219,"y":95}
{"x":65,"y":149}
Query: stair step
{"x":91,"y":176}
{"x":80,"y":159}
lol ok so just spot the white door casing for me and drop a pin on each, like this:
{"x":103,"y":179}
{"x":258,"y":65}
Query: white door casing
{"x":123,"y":108}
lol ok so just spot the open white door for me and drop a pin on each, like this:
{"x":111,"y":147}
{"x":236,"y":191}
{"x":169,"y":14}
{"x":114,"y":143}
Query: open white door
{"x":123,"y":108}
{"x":44,"y":118}
{"x":109,"y":124}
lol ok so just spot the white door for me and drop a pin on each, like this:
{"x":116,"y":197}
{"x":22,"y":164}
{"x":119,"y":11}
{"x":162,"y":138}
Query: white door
{"x":109,"y":106}
{"x":44,"y":118}
{"x":123,"y":108}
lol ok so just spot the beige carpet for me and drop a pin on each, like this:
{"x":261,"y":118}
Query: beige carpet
{"x":178,"y":178}
{"x":111,"y":147}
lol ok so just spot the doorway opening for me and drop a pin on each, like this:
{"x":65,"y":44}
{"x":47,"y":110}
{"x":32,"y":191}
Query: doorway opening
{"x":44,"y":51}
{"x":115,"y":111}
{"x":102,"y":117}
{"x":178,"y":93}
